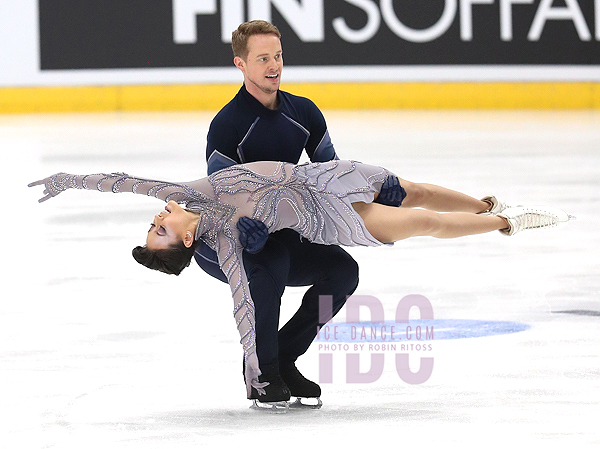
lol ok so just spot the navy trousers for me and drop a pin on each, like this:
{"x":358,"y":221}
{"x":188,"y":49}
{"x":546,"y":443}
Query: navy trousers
{"x":288,"y":260}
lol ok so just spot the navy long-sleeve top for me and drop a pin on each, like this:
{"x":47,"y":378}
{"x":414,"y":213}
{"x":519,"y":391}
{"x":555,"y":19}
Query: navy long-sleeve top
{"x":246,"y":131}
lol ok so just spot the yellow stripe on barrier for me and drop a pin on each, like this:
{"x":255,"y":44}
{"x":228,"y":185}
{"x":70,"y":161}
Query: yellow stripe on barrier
{"x":452,"y":95}
{"x":176,"y":97}
{"x":57,"y":99}
{"x":484,"y":95}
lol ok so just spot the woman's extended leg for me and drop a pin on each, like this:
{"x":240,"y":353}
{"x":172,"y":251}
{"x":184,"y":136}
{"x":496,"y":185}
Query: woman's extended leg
{"x":389,"y":224}
{"x":432,"y":197}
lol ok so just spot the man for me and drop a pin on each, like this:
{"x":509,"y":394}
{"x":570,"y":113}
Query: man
{"x":264,"y":123}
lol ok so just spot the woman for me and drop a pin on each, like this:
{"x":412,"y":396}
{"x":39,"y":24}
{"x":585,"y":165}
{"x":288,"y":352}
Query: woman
{"x":327,"y":203}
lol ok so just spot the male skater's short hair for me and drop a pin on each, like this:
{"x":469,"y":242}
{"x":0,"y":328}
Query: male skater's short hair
{"x":239,"y":38}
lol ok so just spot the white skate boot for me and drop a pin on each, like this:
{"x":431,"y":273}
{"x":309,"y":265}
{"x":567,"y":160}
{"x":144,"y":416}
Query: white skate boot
{"x":496,"y":206}
{"x":521,"y":218}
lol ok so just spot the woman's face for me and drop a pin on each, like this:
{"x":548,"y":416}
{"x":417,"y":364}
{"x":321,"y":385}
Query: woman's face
{"x":168,"y":227}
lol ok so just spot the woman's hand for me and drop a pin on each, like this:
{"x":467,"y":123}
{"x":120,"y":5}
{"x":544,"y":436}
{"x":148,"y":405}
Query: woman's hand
{"x":53,"y":186}
{"x":252,"y":371}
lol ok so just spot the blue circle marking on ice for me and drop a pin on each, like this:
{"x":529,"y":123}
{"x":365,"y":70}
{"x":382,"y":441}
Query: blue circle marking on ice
{"x":420,"y":330}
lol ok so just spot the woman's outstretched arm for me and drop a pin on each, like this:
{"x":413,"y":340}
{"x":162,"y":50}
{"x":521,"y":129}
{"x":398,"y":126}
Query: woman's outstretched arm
{"x":116,"y":183}
{"x":231,"y":262}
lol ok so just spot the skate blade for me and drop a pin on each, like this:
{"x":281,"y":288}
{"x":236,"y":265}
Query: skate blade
{"x":270,"y":407}
{"x":562,"y":224}
{"x":298,"y":404}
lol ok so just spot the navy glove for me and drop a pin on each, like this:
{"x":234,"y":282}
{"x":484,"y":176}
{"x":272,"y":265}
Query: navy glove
{"x":253,"y":234}
{"x":392,"y":193}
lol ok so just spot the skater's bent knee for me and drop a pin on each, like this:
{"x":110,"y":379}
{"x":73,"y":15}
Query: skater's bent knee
{"x":341,"y":274}
{"x":344,"y":266}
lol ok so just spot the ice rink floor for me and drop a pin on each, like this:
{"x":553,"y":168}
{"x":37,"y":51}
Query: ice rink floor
{"x":97,"y":351}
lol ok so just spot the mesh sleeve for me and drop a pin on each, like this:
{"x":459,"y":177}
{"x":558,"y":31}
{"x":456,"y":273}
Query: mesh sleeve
{"x":230,"y":260}
{"x":122,"y":182}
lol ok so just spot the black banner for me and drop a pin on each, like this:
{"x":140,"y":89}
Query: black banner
{"x":99,"y":34}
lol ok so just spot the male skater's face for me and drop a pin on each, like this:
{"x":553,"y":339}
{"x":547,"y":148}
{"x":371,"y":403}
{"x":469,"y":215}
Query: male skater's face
{"x":264,"y":63}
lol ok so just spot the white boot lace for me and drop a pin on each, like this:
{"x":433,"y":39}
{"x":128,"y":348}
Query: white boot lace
{"x":531,"y":219}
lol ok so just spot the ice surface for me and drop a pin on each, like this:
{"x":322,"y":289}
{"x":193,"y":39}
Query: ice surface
{"x":97,"y":351}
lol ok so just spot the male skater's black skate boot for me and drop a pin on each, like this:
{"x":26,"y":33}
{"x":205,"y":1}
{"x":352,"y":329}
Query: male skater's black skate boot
{"x":277,"y":393}
{"x":300,"y":386}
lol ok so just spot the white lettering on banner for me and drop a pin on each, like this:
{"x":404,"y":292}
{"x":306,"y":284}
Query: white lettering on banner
{"x":570,"y":12}
{"x":368,"y":31}
{"x":597,"y":13}
{"x":466,"y":17}
{"x":412,"y":35}
{"x":184,"y":18}
{"x":232,"y":14}
{"x":306,"y":18}
{"x":506,"y":26}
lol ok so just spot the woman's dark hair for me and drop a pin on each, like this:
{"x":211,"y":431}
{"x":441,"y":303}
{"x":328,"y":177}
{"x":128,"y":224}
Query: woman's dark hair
{"x":171,"y":261}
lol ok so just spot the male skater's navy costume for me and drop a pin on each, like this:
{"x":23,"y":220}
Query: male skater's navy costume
{"x":246,"y":131}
